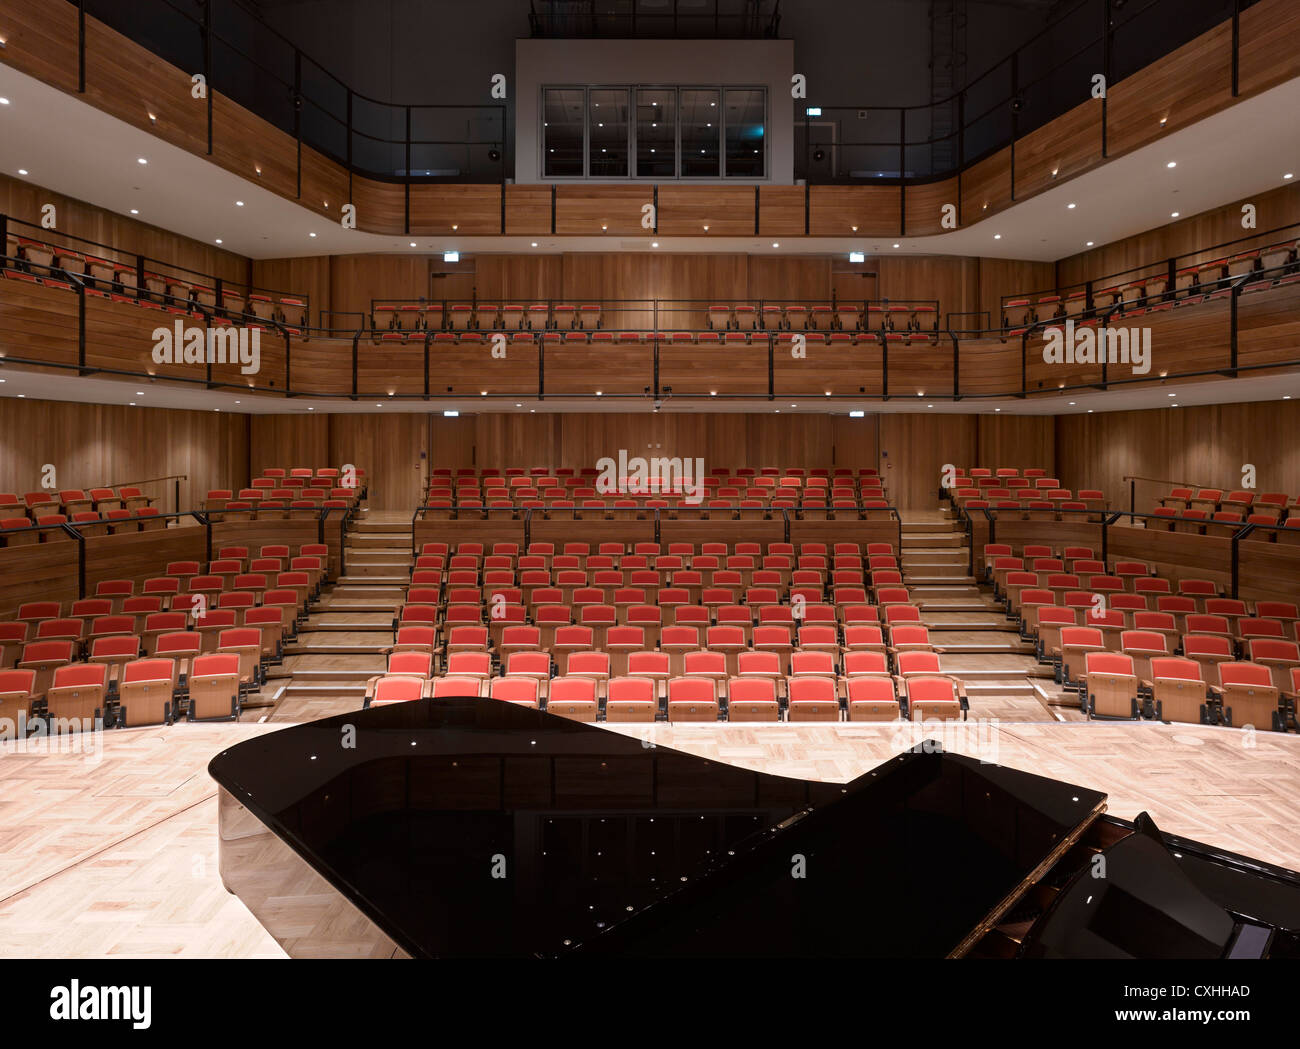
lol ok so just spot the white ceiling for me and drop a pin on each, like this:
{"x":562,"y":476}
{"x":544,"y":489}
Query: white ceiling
{"x":162,"y":394}
{"x":71,"y":147}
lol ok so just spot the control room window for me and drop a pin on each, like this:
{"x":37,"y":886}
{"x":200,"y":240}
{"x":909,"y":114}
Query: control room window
{"x":607,"y":133}
{"x":562,"y":131}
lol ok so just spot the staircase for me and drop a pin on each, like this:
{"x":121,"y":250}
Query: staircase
{"x":349,"y":628}
{"x":981,"y":645}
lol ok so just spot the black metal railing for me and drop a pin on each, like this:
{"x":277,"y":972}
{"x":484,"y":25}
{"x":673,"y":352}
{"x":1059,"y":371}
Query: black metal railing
{"x":651,"y":515}
{"x":1046,"y":76}
{"x":247,"y":60}
{"x":1234,"y":531}
{"x":640,"y":350}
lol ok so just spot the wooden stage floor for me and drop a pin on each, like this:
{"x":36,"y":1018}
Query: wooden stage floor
{"x":114,"y":853}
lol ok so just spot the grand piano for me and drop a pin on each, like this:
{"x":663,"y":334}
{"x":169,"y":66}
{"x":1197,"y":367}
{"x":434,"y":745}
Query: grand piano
{"x":474,"y":828}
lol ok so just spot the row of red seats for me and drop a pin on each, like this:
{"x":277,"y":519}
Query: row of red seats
{"x":415,"y":318}
{"x":22,"y":531}
{"x":589,"y":471}
{"x":647,"y":694}
{"x":44,"y":263}
{"x":692,"y":338}
{"x":116,"y":688}
{"x":1262,"y":269}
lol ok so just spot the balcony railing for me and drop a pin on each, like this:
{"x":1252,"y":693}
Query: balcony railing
{"x":251,"y":63}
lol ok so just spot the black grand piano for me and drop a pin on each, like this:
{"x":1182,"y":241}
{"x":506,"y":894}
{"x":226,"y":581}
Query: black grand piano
{"x":474,"y":828}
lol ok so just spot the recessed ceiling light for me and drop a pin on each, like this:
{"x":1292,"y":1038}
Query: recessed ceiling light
{"x":1072,"y":404}
{"x":534,"y":244}
{"x":22,"y":171}
{"x":131,"y":404}
{"x":1172,"y":164}
{"x":4,"y":101}
{"x":713,"y":393}
{"x":997,"y":236}
{"x":654,"y":244}
{"x":1173,"y":406}
{"x":135,"y":211}
{"x":775,"y":244}
{"x":1089,"y":411}
{"x":139,"y":393}
{"x":518,"y":405}
{"x":1173,"y":214}
{"x":311,"y":409}
{"x":1089,"y":244}
{"x":218,"y":240}
{"x":412,"y":243}
{"x":1070,"y":206}
{"x":997,"y":409}
{"x":895,"y":245}
{"x":1173,"y":395}
{"x":1285,"y":396}
{"x":1289,"y":174}
{"x":311,"y":234}
{"x":239,"y":203}
{"x":141,"y":160}
{"x":379,"y":405}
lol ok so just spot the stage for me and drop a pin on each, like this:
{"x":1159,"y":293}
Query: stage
{"x":113,"y":853}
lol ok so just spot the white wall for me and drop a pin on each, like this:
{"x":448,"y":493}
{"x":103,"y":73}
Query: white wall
{"x":658,"y":63}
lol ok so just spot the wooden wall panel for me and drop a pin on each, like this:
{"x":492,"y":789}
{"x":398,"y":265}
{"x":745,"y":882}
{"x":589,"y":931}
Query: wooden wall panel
{"x":141,"y":555}
{"x":253,"y":148}
{"x":324,"y":185}
{"x":1021,"y":441}
{"x":781,"y":211}
{"x":1060,"y":149}
{"x":1269,"y":48}
{"x":91,"y":445}
{"x":356,"y":280}
{"x":464,"y":208}
{"x":577,"y":440}
{"x":1183,"y":87}
{"x":393,"y":450}
{"x":40,"y":572}
{"x":303,"y":276}
{"x":924,"y":206}
{"x":874,"y":210}
{"x":586,"y":209}
{"x":789,"y":278}
{"x":286,"y":441}
{"x":381,"y":206}
{"x":528,"y":209}
{"x":986,"y":183}
{"x":953,"y":281}
{"x":999,"y":278}
{"x":684,"y":210}
{"x":1206,"y":445}
{"x":41,"y":41}
{"x":914,"y":450}
{"x":522,"y":279}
